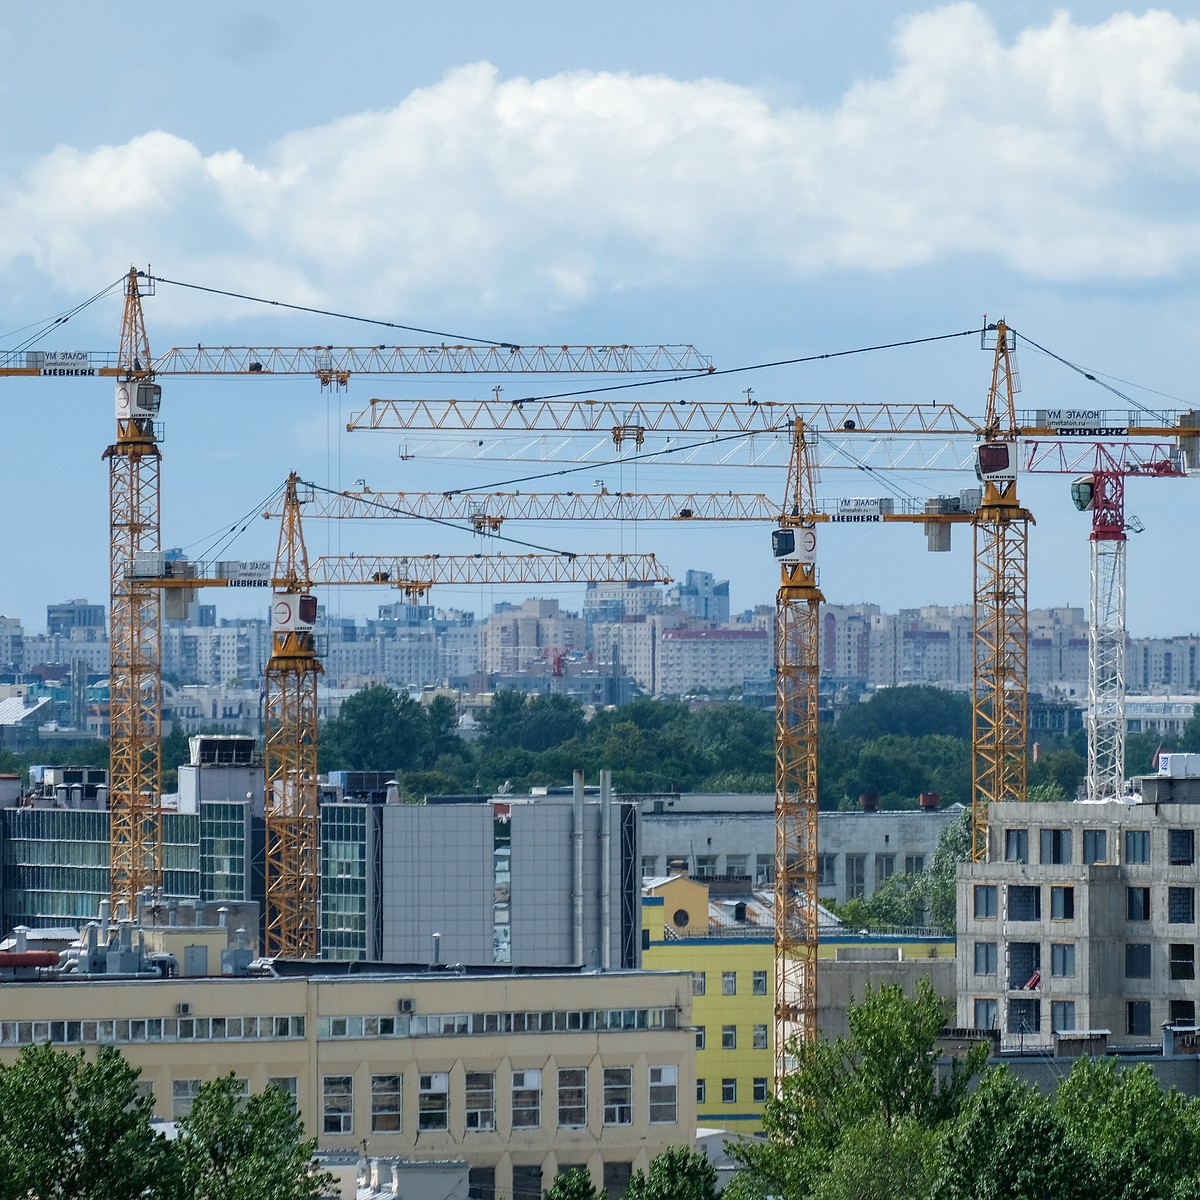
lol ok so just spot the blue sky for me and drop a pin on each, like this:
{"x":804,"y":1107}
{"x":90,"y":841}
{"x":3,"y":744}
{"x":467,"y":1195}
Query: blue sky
{"x":766,"y":182}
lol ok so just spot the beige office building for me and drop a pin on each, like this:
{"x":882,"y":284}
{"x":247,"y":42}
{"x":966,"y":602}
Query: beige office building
{"x":521,"y":1075}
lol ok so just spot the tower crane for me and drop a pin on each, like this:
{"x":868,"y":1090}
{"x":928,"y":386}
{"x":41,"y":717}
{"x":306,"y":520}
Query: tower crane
{"x":134,"y":511}
{"x":291,"y":817}
{"x":999,"y":698}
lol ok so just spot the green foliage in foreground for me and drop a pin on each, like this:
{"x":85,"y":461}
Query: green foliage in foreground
{"x":868,"y":1117}
{"x":71,"y":1129}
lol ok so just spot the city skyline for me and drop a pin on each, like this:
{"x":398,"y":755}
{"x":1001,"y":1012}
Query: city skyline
{"x":789,"y":185}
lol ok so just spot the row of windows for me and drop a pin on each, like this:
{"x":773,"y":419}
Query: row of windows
{"x":149,"y":1029}
{"x":479,"y":1097}
{"x":758,"y":983}
{"x":729,"y":1090}
{"x":1025,"y":1015}
{"x":758,"y":1037}
{"x":467,"y":1024}
{"x":1024,"y":903}
{"x":1055,"y":846}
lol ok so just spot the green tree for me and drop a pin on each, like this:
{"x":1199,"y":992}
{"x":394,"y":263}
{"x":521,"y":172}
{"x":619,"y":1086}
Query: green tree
{"x":679,"y":1173}
{"x":939,"y":884}
{"x":911,"y":712}
{"x":574,"y":1184}
{"x":877,"y":1161}
{"x":233,"y":1148}
{"x":1008,"y":1143}
{"x":1142,"y":1142}
{"x":76,"y":1129}
{"x":885,"y":1074}
{"x":377,"y":729}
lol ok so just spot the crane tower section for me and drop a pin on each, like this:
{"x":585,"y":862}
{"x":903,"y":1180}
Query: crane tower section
{"x":1001,"y":679}
{"x":135,"y":673}
{"x":797,"y":625}
{"x":292,"y":857}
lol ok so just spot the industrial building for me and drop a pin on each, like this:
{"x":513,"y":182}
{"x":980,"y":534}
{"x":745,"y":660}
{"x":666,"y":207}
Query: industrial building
{"x":520,"y":1073}
{"x":1083,"y":916}
{"x":551,"y":880}
{"x":728,"y":834}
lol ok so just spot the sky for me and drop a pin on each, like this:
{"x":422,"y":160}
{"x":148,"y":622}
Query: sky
{"x":775,"y":181}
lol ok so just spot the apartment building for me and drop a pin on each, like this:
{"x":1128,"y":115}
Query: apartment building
{"x":1083,"y":917}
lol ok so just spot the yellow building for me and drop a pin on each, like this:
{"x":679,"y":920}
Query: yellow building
{"x":723,"y":934}
{"x":519,"y":1074}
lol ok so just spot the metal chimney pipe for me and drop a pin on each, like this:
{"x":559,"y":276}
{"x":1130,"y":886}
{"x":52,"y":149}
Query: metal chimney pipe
{"x":605,"y":870}
{"x":577,"y":870}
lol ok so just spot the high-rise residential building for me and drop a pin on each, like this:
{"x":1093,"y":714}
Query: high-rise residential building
{"x":74,"y":614}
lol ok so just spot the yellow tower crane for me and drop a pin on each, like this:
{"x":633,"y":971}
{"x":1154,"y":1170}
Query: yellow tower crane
{"x":134,"y":516}
{"x":999,"y":701}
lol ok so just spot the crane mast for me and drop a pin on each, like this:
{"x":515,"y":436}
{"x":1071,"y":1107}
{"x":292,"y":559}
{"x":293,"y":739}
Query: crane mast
{"x":135,"y":671}
{"x":797,"y":664}
{"x":1001,"y":679}
{"x":292,"y":810}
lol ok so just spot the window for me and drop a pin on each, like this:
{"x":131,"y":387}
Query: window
{"x":1062,"y":1015}
{"x":1055,"y":846}
{"x":885,"y":868}
{"x":1062,"y":903}
{"x":1183,"y":1012}
{"x":1095,"y":846}
{"x":856,"y":876}
{"x":735,"y":864}
{"x":1016,"y":845}
{"x":764,"y":868}
{"x":985,"y":1014}
{"x":699,"y":1037}
{"x":985,"y":958}
{"x":616,"y":1177}
{"x":481,"y":1183}
{"x":386,"y":1092}
{"x":760,"y":1089}
{"x":759,"y":983}
{"x":985,"y":901}
{"x":1181,"y":905}
{"x":1137,"y":902}
{"x":337,"y":1104}
{"x":699,"y":982}
{"x":481,"y":1099}
{"x":433,"y":1101}
{"x":914,"y":864}
{"x":1137,"y":1018}
{"x":664,"y":1095}
{"x":527,"y":1099}
{"x":701,"y":1091}
{"x":706,"y":866}
{"x":618,"y":1095}
{"x":1183,"y":960}
{"x":826,"y":870}
{"x":1137,"y":845}
{"x":728,"y":1037}
{"x":1181,"y":847}
{"x":728,"y":1091}
{"x":183,"y":1092}
{"x":759,"y":1037}
{"x":1025,"y":965}
{"x":285,"y":1084}
{"x":728,"y":983}
{"x":1062,"y":960}
{"x":1137,"y":960}
{"x":1024,"y":1016}
{"x":572,"y":1097}
{"x":1024,"y":903}
{"x":649,"y":866}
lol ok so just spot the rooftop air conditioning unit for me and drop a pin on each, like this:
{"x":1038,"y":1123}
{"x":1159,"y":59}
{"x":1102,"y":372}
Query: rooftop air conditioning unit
{"x":404,"y":1006}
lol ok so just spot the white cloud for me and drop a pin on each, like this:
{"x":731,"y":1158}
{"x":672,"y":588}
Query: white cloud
{"x":1062,"y":154}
